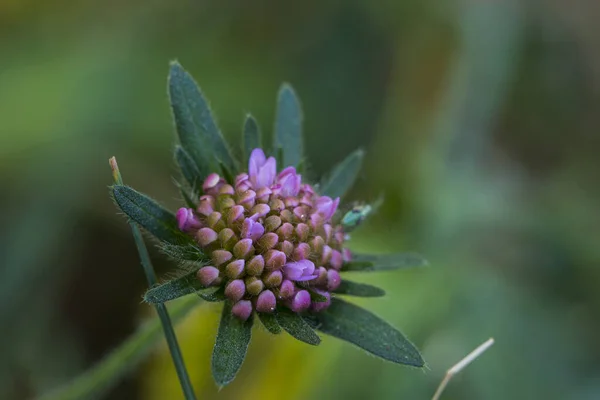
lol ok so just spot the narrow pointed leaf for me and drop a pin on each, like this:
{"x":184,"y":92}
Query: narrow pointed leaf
{"x":149,"y":215}
{"x":198,"y":133}
{"x":108,"y":372}
{"x":359,"y":289}
{"x":186,"y":253}
{"x":187,"y":198}
{"x":173,"y":289}
{"x":252,"y":136}
{"x":190,"y":170}
{"x":383,"y":262}
{"x":212,"y":295}
{"x":230,"y":347}
{"x":288,"y":126}
{"x":293,"y":324}
{"x":367,"y":331}
{"x":343,"y":175}
{"x":270,"y":322}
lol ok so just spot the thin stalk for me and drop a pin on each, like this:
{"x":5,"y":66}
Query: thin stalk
{"x":161,"y":310}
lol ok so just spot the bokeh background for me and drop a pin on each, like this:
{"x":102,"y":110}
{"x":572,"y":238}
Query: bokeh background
{"x":481,"y":119}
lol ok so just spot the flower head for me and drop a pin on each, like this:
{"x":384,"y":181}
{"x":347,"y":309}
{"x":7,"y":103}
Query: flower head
{"x":270,"y":238}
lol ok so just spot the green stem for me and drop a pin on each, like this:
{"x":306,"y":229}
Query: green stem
{"x":163,"y":314}
{"x":104,"y":375}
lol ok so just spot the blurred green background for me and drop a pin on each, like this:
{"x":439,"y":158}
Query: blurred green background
{"x":480,"y":119}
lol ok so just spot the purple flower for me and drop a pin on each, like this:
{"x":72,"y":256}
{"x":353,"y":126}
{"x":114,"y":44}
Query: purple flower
{"x":326,"y":207}
{"x":187,"y":221}
{"x":261,"y":170}
{"x":252,"y":229}
{"x":290,"y":182}
{"x":299,"y":271}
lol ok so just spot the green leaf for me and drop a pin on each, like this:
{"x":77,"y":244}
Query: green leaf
{"x":367,"y":331}
{"x":343,"y":175}
{"x":252,"y":136}
{"x":190,"y":170}
{"x":269,"y":321}
{"x":383,"y":262}
{"x":293,"y":324}
{"x":359,"y":289}
{"x":288,"y":126}
{"x":149,"y":215}
{"x":230,"y":347}
{"x":198,"y":133}
{"x":189,"y":253}
{"x":174,"y":289}
{"x":212,"y":295}
{"x":109,"y":371}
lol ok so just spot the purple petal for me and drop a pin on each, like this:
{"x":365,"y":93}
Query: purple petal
{"x":292,"y":271}
{"x":257,"y":160}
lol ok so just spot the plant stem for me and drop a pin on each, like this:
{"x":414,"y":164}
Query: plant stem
{"x":161,"y":310}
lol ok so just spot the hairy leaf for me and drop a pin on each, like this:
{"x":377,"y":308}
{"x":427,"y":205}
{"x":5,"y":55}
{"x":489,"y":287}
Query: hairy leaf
{"x":269,"y":321}
{"x":293,"y":324}
{"x":383,"y":262}
{"x":149,"y":215}
{"x":367,"y":331}
{"x":173,"y":289}
{"x":343,"y":175}
{"x":230,"y":347}
{"x":184,"y":253}
{"x":288,"y":126}
{"x":190,"y":170}
{"x":212,"y":295}
{"x":359,"y":289}
{"x":252,"y":136}
{"x":197,"y":130}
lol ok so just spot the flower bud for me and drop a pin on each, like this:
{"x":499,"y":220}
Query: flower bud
{"x":226,"y":236}
{"x":301,"y":213}
{"x":206,"y":236}
{"x":243,"y":248}
{"x":272,"y":223}
{"x":260,"y":209}
{"x":225,"y":202}
{"x":207,"y":275}
{"x":273,"y":279}
{"x":252,"y":229}
{"x":274,"y":259}
{"x":321,"y":279}
{"x":206,"y":205}
{"x":266,"y":302}
{"x":213,"y":219}
{"x":333,"y":280}
{"x":268,"y":241}
{"x":286,"y":247}
{"x":242,"y":309}
{"x":346,"y":255}
{"x":285,"y":231}
{"x":254,"y":285}
{"x":262,"y":194}
{"x":317,"y":244}
{"x":326,"y":254}
{"x":210,"y":182}
{"x":287,"y":289}
{"x":302,"y":231}
{"x":235,"y":213}
{"x":301,"y":252}
{"x":291,"y":202}
{"x":301,"y":301}
{"x":234,"y":269}
{"x":255,"y":266}
{"x":276,"y":205}
{"x":220,"y":257}
{"x":247,"y":198}
{"x":187,"y":220}
{"x":327,"y":232}
{"x":235,"y":290}
{"x":336,"y":260}
{"x":321,"y":305}
{"x":286,"y":216}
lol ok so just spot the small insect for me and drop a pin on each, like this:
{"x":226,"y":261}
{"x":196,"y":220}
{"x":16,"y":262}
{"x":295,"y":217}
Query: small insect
{"x":357,"y":215}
